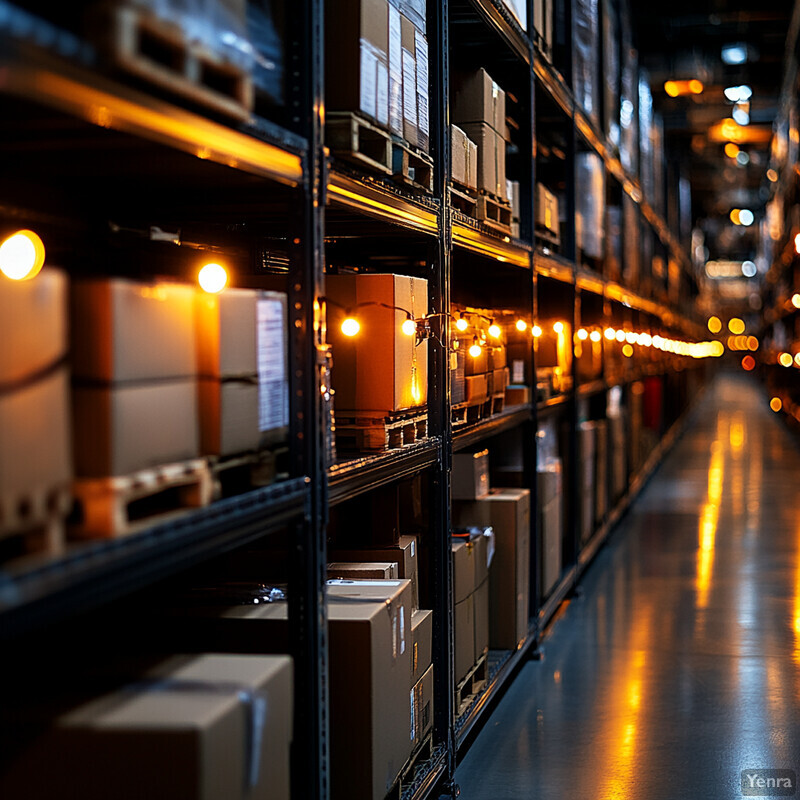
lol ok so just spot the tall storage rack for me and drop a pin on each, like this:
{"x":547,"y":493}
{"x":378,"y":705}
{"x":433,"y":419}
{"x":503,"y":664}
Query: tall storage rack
{"x":87,"y":148}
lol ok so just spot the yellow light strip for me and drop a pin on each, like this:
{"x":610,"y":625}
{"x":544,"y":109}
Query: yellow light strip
{"x":426,"y":222}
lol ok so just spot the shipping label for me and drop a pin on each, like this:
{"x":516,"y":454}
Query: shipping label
{"x":369,"y":79}
{"x":395,"y":73}
{"x":273,"y":389}
{"x":421,"y":46}
{"x":409,"y":88}
{"x":382,"y":94}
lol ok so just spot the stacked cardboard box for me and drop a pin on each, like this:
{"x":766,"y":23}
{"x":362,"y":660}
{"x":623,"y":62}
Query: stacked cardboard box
{"x":586,"y":56}
{"x":463,"y":158}
{"x":590,"y":197}
{"x":507,"y":512}
{"x":135,"y":368}
{"x":35,"y":455}
{"x":512,"y":192}
{"x":382,"y":369}
{"x":611,"y":71}
{"x":543,"y":24}
{"x":469,"y":556}
{"x":421,"y":696}
{"x":377,"y":64}
{"x":546,"y":207}
{"x":549,"y":483}
{"x":210,"y":727}
{"x":243,"y":387}
{"x":478,"y":106}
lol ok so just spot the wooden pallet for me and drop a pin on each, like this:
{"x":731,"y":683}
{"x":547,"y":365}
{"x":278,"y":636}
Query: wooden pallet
{"x":412,"y":167}
{"x":494,"y":213}
{"x":34,"y":522}
{"x":367,"y":433}
{"x":160,"y":52}
{"x":466,"y":413}
{"x":464,"y":200}
{"x":546,"y":237}
{"x":235,"y":474}
{"x":422,"y":753}
{"x":496,"y":403}
{"x":472,"y":685}
{"x":352,"y":137}
{"x":119,"y":505}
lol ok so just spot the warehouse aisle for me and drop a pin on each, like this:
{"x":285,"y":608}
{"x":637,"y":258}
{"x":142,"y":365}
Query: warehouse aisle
{"x":680,"y":664}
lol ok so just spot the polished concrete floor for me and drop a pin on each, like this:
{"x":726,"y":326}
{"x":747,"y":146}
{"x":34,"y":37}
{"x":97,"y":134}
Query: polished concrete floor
{"x":679,"y":666}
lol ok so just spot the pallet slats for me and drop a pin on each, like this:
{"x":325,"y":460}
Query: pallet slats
{"x":353,"y":138}
{"x":376,"y":434}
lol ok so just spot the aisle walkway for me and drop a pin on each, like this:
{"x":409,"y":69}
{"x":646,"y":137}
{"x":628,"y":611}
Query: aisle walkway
{"x":680,"y":664}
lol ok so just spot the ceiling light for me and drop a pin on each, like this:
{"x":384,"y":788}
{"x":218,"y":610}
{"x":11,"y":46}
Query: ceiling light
{"x":734,"y":54}
{"x":749,"y":269}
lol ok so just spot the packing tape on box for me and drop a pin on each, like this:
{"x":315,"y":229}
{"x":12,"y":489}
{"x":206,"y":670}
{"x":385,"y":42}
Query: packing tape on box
{"x":9,"y":387}
{"x":468,"y":535}
{"x":254,"y":702}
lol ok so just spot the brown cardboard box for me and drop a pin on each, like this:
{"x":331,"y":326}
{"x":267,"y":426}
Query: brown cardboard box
{"x":508,"y":513}
{"x":411,"y":130}
{"x":459,"y":156}
{"x":421,"y":642}
{"x":462,"y":555}
{"x":226,"y":333}
{"x":518,"y":395}
{"x":473,"y":365}
{"x":469,"y":477}
{"x":498,"y":357}
{"x":361,"y":571}
{"x":423,"y":92}
{"x":479,"y":99}
{"x":124,"y":429}
{"x":228,"y":416}
{"x":590,"y":360}
{"x":464,"y":636}
{"x":477,"y":387}
{"x":422,"y":706}
{"x":481,"y":606}
{"x":381,"y":369}
{"x":550,"y":559}
{"x":404,"y":553}
{"x":186,"y":731}
{"x":123,"y":330}
{"x":547,"y":209}
{"x":357,"y":57}
{"x":35,"y":443}
{"x":491,"y":175}
{"x":33,"y":324}
{"x":499,"y":381}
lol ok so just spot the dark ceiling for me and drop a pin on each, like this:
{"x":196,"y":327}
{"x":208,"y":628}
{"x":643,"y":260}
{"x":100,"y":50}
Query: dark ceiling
{"x":680,"y":40}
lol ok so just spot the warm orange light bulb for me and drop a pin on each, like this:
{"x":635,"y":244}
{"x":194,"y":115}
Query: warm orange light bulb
{"x":461,"y":324}
{"x":22,"y":256}
{"x":521,"y":325}
{"x":351,"y":327}
{"x":409,"y":327}
{"x":212,"y":278}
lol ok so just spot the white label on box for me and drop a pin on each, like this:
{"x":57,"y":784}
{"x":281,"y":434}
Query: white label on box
{"x":369,"y":78}
{"x":422,"y":82}
{"x":382,"y":94}
{"x":517,"y":371}
{"x":402,"y":630}
{"x":413,"y":709}
{"x":273,"y":390}
{"x":344,"y":582}
{"x":490,"y":546}
{"x":395,"y":72}
{"x":413,"y":549}
{"x":394,"y":633}
{"x":409,"y":88}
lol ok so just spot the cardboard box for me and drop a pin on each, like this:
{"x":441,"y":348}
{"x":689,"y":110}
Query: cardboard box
{"x":512,"y":192}
{"x":416,"y":11}
{"x":35,"y":455}
{"x":464,"y":636}
{"x":228,"y":416}
{"x":395,"y":71}
{"x":123,"y":429}
{"x":546,"y":210}
{"x":617,"y":470}
{"x":464,"y":158}
{"x":421,"y":643}
{"x":123,"y":330}
{"x":226,"y":333}
{"x":357,"y":57}
{"x":507,"y":511}
{"x":463,"y":564}
{"x":491,"y":174}
{"x":518,"y":395}
{"x":499,"y":381}
{"x":473,"y":365}
{"x":478,"y":99}
{"x":458,"y":364}
{"x":590,"y":193}
{"x":422,"y":706}
{"x":476,"y":388}
{"x":411,"y":127}
{"x":498,"y":357}
{"x":212,"y":726}
{"x":382,"y":369}
{"x":404,"y":554}
{"x":548,"y":482}
{"x":481,"y":606}
{"x":363,"y":571}
{"x":469,"y":477}
{"x":33,"y":324}
{"x":551,"y":524}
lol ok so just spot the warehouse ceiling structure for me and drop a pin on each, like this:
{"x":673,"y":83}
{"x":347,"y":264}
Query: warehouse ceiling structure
{"x":721,"y":131}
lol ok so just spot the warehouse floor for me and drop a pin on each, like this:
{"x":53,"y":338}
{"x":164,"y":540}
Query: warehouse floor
{"x":679,"y":665}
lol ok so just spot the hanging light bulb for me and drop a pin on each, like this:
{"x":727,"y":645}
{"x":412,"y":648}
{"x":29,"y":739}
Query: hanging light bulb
{"x":595,"y":336}
{"x":620,"y":335}
{"x":583,"y":334}
{"x":610,"y":334}
{"x":351,"y":326}
{"x":536,"y":331}
{"x":461,"y":324}
{"x":475,"y":350}
{"x":494,"y":331}
{"x":212,"y":278}
{"x":558,"y":327}
{"x":409,"y":327}
{"x":521,"y":325}
{"x":21,"y":256}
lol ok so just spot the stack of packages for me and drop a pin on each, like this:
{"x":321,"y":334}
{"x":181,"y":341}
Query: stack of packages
{"x":242,"y":364}
{"x":586,"y":57}
{"x":629,"y":103}
{"x":382,"y":369}
{"x":546,"y":209}
{"x":35,"y":463}
{"x":589,"y":359}
{"x":478,"y":107}
{"x":208,"y":727}
{"x":549,"y":483}
{"x":507,"y":513}
{"x":463,"y":159}
{"x":590,"y":196}
{"x":646,"y":136}
{"x":497,"y":374}
{"x":377,"y":64}
{"x":611,"y":71}
{"x":554,"y":353}
{"x":543,"y":24}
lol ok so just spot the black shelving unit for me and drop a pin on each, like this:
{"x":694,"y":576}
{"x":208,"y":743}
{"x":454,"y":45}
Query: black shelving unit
{"x":269,"y":185}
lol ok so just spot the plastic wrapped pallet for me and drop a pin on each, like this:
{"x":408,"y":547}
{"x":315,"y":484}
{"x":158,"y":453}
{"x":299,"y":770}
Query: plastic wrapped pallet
{"x":416,"y":113}
{"x":519,"y":10}
{"x":590,"y":197}
{"x":586,"y":56}
{"x":611,"y":69}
